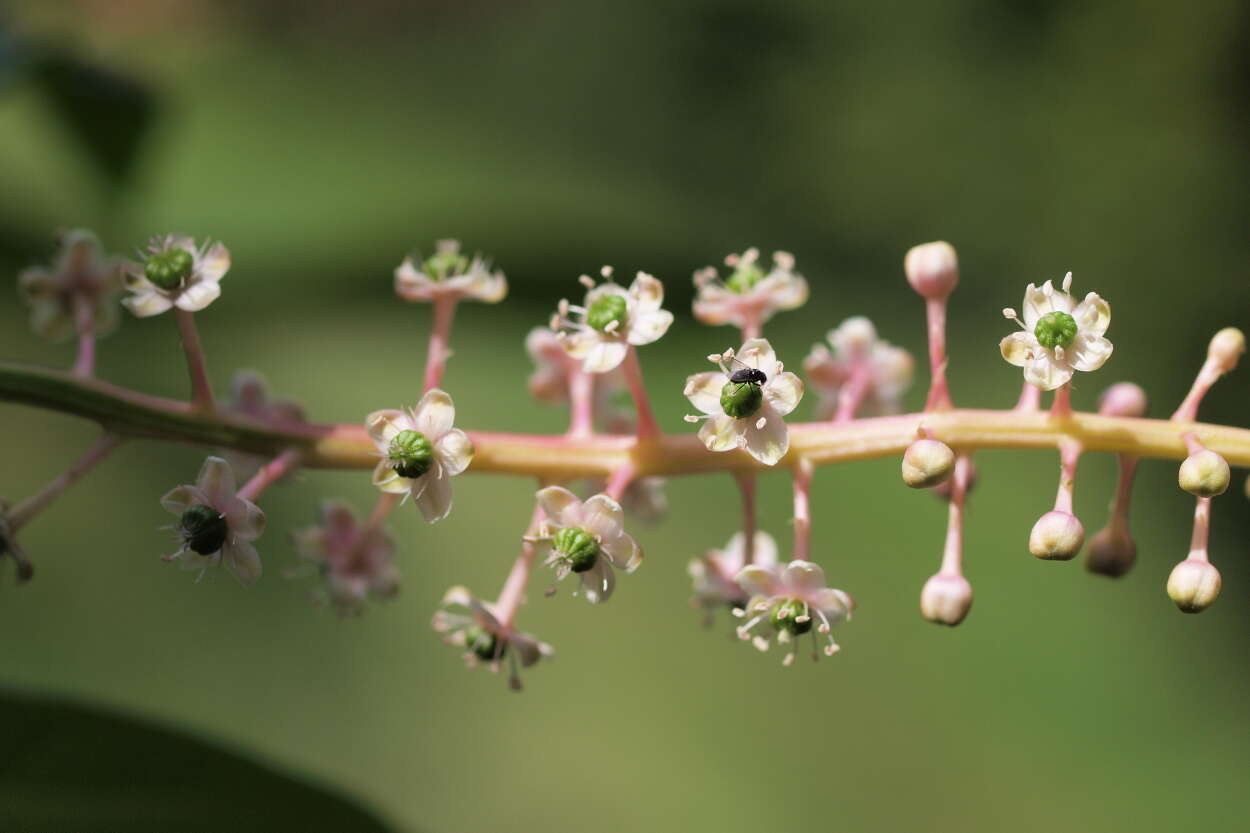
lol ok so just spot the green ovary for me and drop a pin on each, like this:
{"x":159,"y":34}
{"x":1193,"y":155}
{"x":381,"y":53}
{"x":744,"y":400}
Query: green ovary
{"x":1055,"y":329}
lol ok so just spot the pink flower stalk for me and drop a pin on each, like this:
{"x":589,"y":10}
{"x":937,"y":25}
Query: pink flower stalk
{"x":947,"y":595}
{"x":1058,"y":535}
{"x":1112,"y":550}
{"x":933,"y":271}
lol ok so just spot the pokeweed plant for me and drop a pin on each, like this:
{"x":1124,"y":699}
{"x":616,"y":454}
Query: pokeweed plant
{"x":586,"y":359}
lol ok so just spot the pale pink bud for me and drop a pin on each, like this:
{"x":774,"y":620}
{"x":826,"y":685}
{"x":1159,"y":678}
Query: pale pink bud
{"x":1204,"y":474}
{"x":932,"y":269}
{"x":1057,"y":536}
{"x":1194,"y":585}
{"x":946,"y":599}
{"x":1123,"y":399}
{"x":1226,"y":347}
{"x":927,"y":463}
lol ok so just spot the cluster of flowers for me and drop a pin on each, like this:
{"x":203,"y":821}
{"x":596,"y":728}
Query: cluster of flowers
{"x":587,"y":359}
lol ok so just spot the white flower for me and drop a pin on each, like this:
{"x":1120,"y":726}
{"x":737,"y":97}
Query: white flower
{"x":612,"y":319}
{"x":586,"y":538}
{"x":175,"y":273}
{"x":715,"y":575}
{"x":786,"y":601}
{"x":887,"y":370}
{"x":422,"y":444}
{"x":746,"y":415}
{"x":748,"y":295}
{"x":355,"y":560}
{"x":471,"y":624}
{"x":215,"y":526}
{"x":1060,"y":336}
{"x":250,"y":397}
{"x":81,"y":273}
{"x":553,"y":366}
{"x":449,"y":274}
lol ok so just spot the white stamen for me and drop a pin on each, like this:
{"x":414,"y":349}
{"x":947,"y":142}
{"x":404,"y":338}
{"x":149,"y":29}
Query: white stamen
{"x":760,"y":423}
{"x":760,"y":643}
{"x":1067,"y":282}
{"x":586,"y":281}
{"x":789,"y":660}
{"x":694,"y":417}
{"x":612,"y":327}
{"x":606,"y":271}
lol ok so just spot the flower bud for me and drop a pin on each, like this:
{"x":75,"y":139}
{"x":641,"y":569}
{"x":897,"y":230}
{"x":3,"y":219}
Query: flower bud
{"x":1194,"y":585}
{"x":1204,"y":474}
{"x":946,"y":599}
{"x":1123,"y":399}
{"x":932,"y":269}
{"x":927,"y":463}
{"x":1057,"y":536}
{"x":203,"y":529}
{"x":1112,"y":551}
{"x":578,"y":546}
{"x":411,"y":454}
{"x":605,"y":310}
{"x":1226,"y":347}
{"x":741,"y":399}
{"x":168,"y":269}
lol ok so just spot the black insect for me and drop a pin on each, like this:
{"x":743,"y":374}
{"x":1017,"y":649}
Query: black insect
{"x":747,"y":375}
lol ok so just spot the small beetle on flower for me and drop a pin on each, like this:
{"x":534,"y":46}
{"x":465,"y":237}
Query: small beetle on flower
{"x":176,"y":273}
{"x":354,"y":559}
{"x":1059,"y":337}
{"x":788,"y":601}
{"x":420,"y":452}
{"x":749,"y":296}
{"x":715,"y":574}
{"x":860,"y":359}
{"x":81,"y":274}
{"x":588,"y":539}
{"x":449,"y":274}
{"x":612,"y":320}
{"x":215,"y":526}
{"x":469,"y":623}
{"x":743,"y":404}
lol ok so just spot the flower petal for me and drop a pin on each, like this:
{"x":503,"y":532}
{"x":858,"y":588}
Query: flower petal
{"x":241,"y":559}
{"x":216,"y":481}
{"x":1093,"y":315}
{"x":648,"y":327}
{"x":765,"y":550}
{"x":454,"y":451}
{"x":1019,"y":347}
{"x":623,"y":551}
{"x":1089,"y":352}
{"x":434,"y":414}
{"x":245,"y":518}
{"x":385,"y":478}
{"x":604,"y":355}
{"x":560,"y":505}
{"x":384,"y":425}
{"x":783,"y":392}
{"x":434,"y":497}
{"x":770,"y":443}
{"x":757,"y":352}
{"x":147,"y":303}
{"x":835,"y":604}
{"x":182,"y":498}
{"x":804,"y":576}
{"x":721,"y":432}
{"x":215,"y":263}
{"x":602,"y":516}
{"x":1038,"y":302}
{"x":598,"y":582}
{"x":758,"y":580}
{"x":647,"y":293}
{"x":1046,"y":373}
{"x":703,"y":391}
{"x":198,"y":295}
{"x":784,"y":290}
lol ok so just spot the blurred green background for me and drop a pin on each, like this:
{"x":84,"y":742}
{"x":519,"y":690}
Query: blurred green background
{"x":321,"y":141}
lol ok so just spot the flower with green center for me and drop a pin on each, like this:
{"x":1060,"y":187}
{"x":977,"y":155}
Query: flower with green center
{"x":858,"y":354}
{"x":80,"y":274}
{"x":215,"y":526}
{"x":611,"y":320}
{"x":750,"y":295}
{"x":354,"y":560}
{"x":1059,"y":336}
{"x":787,"y":601}
{"x":472,"y":625}
{"x":715,"y":574}
{"x":175,"y":273}
{"x":745,"y":415}
{"x":449,"y":274}
{"x":607,"y":312}
{"x":588,"y":539}
{"x":421,"y":451}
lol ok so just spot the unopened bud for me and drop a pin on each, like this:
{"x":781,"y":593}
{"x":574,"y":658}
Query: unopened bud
{"x":927,"y":463}
{"x":1123,"y":399}
{"x":1204,"y":474}
{"x":946,"y":599}
{"x":1226,"y":347}
{"x":1194,"y":585}
{"x":1057,"y":536}
{"x":932,"y":269}
{"x":1112,"y":551}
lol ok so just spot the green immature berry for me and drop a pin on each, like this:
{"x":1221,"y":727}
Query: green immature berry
{"x":578,"y":546}
{"x":203,"y":529}
{"x":410,"y":454}
{"x":744,"y":278}
{"x":483,"y":643}
{"x":784,"y":614}
{"x":741,"y":399}
{"x":170,"y":268}
{"x":1055,"y":329}
{"x":444,"y":264}
{"x":604,"y":310}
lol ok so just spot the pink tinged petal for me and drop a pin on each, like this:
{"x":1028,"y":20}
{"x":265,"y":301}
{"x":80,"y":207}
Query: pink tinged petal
{"x":757,"y":580}
{"x":49,"y":319}
{"x":215,"y":263}
{"x":757,"y":352}
{"x":434,"y":414}
{"x":384,"y":425}
{"x":604,"y":356}
{"x":454,"y":451}
{"x":720,"y":432}
{"x":411,"y":284}
{"x":182,"y":498}
{"x":434,"y":497}
{"x":560,"y":506}
{"x":216,"y":481}
{"x":1089,"y":352}
{"x":703,"y":391}
{"x":804,"y":576}
{"x":598,"y":582}
{"x":1093,"y":315}
{"x":602,"y":516}
{"x":783,"y":392}
{"x":198,"y":295}
{"x":770,"y":443}
{"x":765,"y":550}
{"x":823,"y":371}
{"x":623,"y":551}
{"x":147,"y":303}
{"x":241,"y":559}
{"x":835,"y":604}
{"x":649,"y":326}
{"x":528,"y":649}
{"x":785,"y":291}
{"x":1046,"y":373}
{"x":647,"y":293}
{"x":1019,"y":348}
{"x":385,"y":478}
{"x":246,"y":519}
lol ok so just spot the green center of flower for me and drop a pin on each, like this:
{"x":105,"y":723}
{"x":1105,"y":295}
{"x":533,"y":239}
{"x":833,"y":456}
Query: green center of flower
{"x":784,"y":614}
{"x":579,"y":548}
{"x":445,"y":264}
{"x":604,"y":310}
{"x":203,"y":529}
{"x":169,"y":269}
{"x":741,"y":399}
{"x":744,"y":278}
{"x":1055,"y":329}
{"x":410,"y":453}
{"x":483,"y":643}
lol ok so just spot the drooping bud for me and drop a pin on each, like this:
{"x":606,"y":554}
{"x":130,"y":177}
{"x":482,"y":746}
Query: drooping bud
{"x":1112,"y":551}
{"x":741,"y":399}
{"x":578,"y":546}
{"x":932,"y":269}
{"x":605,"y":310}
{"x":411,"y":454}
{"x":1123,"y":399}
{"x":1057,"y":536}
{"x":927,"y":463}
{"x":168,"y":269}
{"x":1055,"y":329}
{"x":946,"y":599}
{"x":1205,"y":474}
{"x":203,"y":529}
{"x":785,"y":615}
{"x":1194,"y":585}
{"x":1226,"y":347}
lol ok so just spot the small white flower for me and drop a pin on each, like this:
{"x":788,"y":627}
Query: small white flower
{"x":611,"y":320}
{"x":250,"y":397}
{"x":79,"y":273}
{"x":1059,"y":335}
{"x":747,"y":415}
{"x":748,"y":295}
{"x":588,"y":539}
{"x":449,"y":274}
{"x":355,"y":560}
{"x":421,"y":452}
{"x":469,"y":623}
{"x":215,"y":526}
{"x":553,"y":366}
{"x":789,"y":601}
{"x":857,"y":349}
{"x":715,"y":575}
{"x":175,"y":273}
